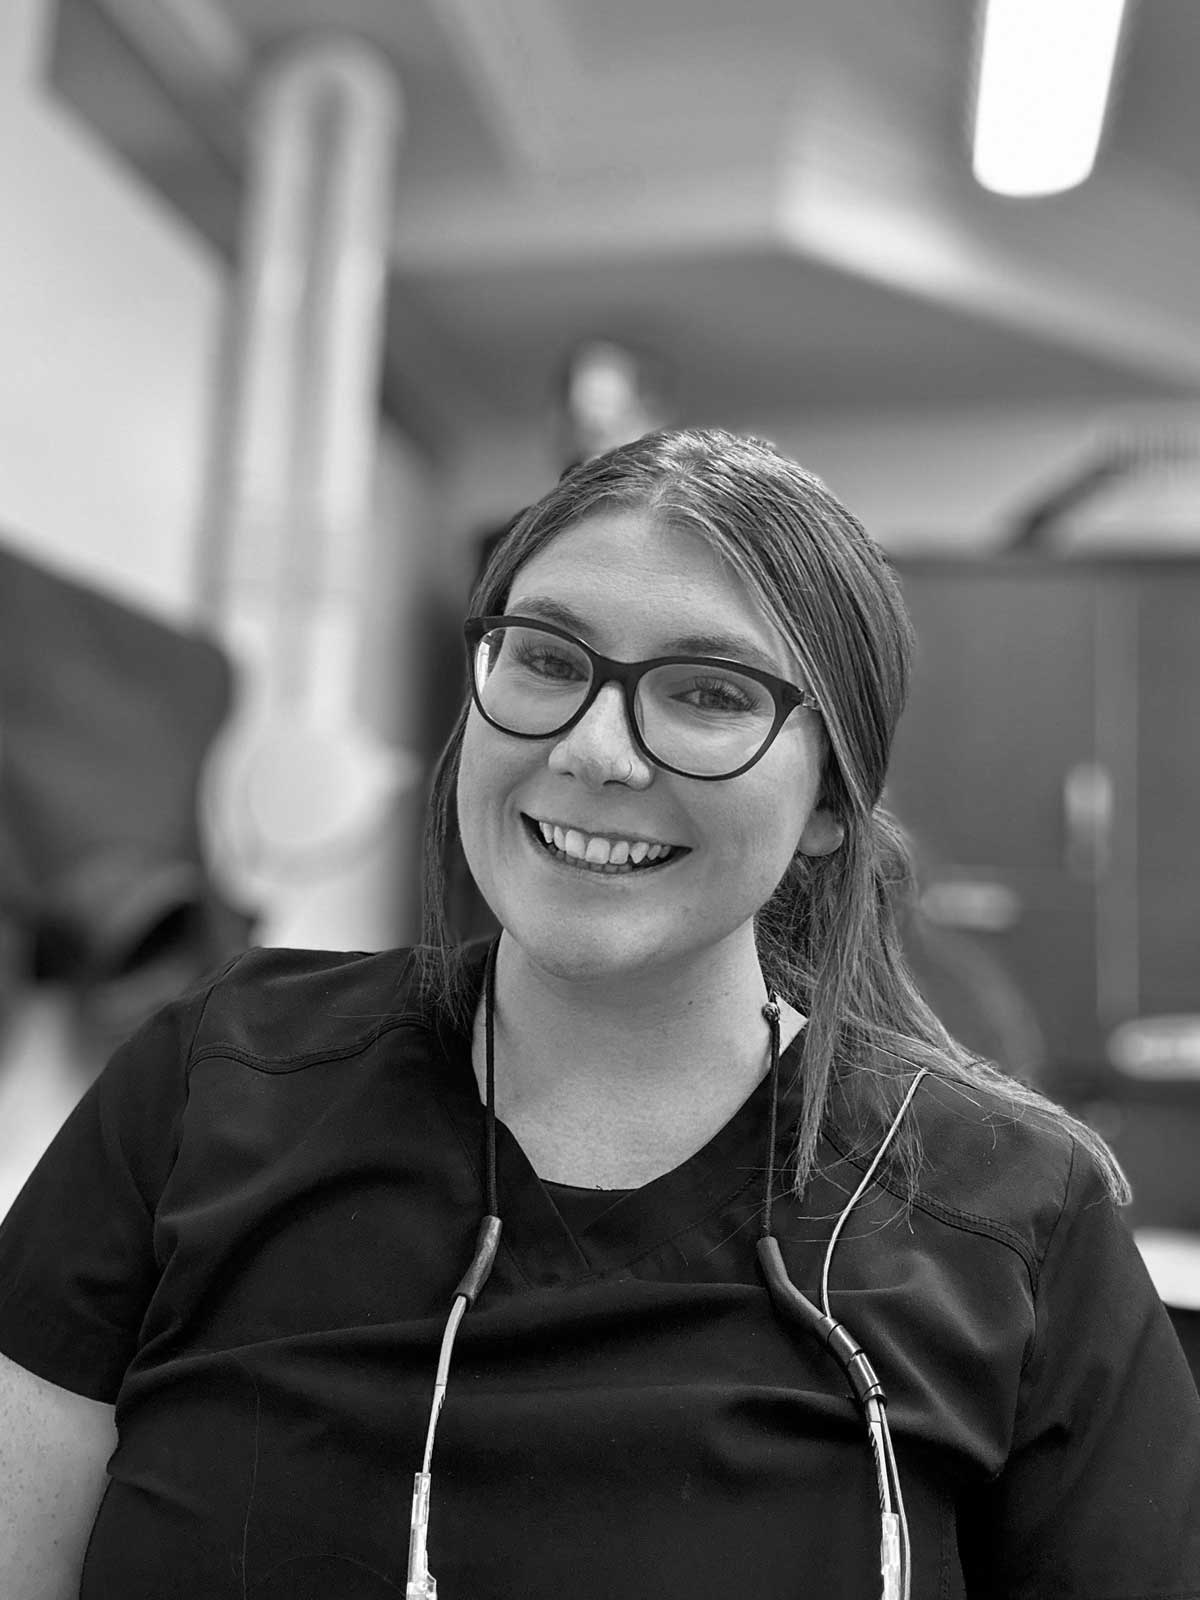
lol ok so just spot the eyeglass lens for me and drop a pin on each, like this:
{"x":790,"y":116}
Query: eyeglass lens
{"x":697,"y":716}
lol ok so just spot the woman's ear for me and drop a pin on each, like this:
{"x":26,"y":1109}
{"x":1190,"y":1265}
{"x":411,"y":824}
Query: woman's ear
{"x":822,"y":835}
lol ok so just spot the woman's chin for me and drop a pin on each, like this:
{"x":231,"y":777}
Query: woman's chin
{"x":583,"y":959}
{"x":588,"y":953}
{"x":630,"y":958}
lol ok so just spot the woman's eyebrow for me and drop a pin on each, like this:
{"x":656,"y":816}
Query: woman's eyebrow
{"x":730,"y":646}
{"x":532,"y":605}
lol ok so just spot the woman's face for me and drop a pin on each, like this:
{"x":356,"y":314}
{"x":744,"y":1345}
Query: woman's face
{"x":636,"y":589}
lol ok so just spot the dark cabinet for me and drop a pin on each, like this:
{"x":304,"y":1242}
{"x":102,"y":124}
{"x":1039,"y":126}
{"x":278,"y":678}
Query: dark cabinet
{"x":1048,"y":767}
{"x":1167,"y":795}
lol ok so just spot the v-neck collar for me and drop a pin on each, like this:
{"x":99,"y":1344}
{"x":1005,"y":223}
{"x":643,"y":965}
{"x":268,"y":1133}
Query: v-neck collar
{"x":537,"y":1238}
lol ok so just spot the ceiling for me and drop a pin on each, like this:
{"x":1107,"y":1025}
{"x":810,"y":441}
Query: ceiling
{"x":775,"y":198}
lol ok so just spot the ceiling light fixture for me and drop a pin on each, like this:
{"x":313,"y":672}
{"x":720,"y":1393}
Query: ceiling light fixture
{"x":1045,"y":70}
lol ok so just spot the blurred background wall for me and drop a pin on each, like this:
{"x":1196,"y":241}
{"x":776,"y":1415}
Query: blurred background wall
{"x":110,"y":313}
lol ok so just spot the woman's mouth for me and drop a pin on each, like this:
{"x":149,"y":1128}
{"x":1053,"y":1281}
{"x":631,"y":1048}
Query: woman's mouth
{"x":599,"y":853}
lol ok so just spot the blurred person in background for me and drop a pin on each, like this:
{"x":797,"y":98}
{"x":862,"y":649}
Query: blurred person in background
{"x":735,"y":1272}
{"x":607,"y":394}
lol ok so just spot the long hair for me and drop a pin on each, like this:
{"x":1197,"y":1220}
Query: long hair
{"x":828,"y":937}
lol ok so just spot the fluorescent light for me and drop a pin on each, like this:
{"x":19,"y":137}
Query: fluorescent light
{"x":1044,"y":78}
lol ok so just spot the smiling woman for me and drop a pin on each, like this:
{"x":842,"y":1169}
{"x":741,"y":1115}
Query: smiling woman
{"x":630,"y":740}
{"x":730,"y":1183}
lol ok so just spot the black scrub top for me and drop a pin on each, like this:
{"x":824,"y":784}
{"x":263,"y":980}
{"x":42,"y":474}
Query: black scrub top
{"x":248,"y":1236}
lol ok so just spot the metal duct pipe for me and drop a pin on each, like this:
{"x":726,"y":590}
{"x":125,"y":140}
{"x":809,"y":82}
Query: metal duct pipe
{"x":301,"y":776}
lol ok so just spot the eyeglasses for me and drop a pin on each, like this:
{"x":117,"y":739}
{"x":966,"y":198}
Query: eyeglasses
{"x":693,"y":715}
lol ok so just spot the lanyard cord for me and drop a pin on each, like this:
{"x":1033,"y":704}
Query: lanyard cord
{"x":895,"y":1556}
{"x":489,"y":1051}
{"x":771,"y":1013}
{"x":421,"y":1584}
{"x":866,"y":1179}
{"x":895,"y":1551}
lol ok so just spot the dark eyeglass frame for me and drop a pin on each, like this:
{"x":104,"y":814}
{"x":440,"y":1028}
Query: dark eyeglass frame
{"x":628,"y":674}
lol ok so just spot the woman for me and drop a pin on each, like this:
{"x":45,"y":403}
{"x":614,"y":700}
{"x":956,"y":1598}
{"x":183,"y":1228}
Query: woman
{"x":742,"y":1177}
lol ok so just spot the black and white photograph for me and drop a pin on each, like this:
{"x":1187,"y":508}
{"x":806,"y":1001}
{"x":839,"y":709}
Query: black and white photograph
{"x":600,"y":800}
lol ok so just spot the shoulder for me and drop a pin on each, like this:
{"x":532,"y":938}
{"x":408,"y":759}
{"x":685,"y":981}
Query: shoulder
{"x":998,"y":1167}
{"x":291,"y":1005}
{"x":1019,"y":1169}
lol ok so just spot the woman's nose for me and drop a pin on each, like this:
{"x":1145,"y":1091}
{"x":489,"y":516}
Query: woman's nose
{"x":600,"y":748}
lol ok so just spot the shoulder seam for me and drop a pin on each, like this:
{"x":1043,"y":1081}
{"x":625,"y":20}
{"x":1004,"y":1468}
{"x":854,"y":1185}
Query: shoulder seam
{"x":952,"y":1216}
{"x":1050,"y":1238}
{"x":308,"y":1058}
{"x":186,"y":1076}
{"x":293,"y":1061}
{"x":208,"y":994}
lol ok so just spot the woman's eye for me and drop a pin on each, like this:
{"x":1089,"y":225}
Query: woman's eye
{"x":548,"y":663}
{"x":717,"y":694}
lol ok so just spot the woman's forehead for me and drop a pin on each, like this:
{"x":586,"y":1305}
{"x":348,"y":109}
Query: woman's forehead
{"x":622,"y":573}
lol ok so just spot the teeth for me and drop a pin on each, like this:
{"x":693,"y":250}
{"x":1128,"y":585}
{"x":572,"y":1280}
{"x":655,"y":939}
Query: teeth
{"x":600,"y":852}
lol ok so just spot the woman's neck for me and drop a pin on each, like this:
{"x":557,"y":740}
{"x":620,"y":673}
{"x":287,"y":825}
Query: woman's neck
{"x":614,"y":1082}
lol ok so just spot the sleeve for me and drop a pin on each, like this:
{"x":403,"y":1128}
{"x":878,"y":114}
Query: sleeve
{"x":1100,"y":1497}
{"x":77,"y":1265}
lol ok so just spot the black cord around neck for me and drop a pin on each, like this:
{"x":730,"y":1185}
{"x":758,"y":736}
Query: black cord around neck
{"x":770,"y":1012}
{"x":489,"y":1050}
